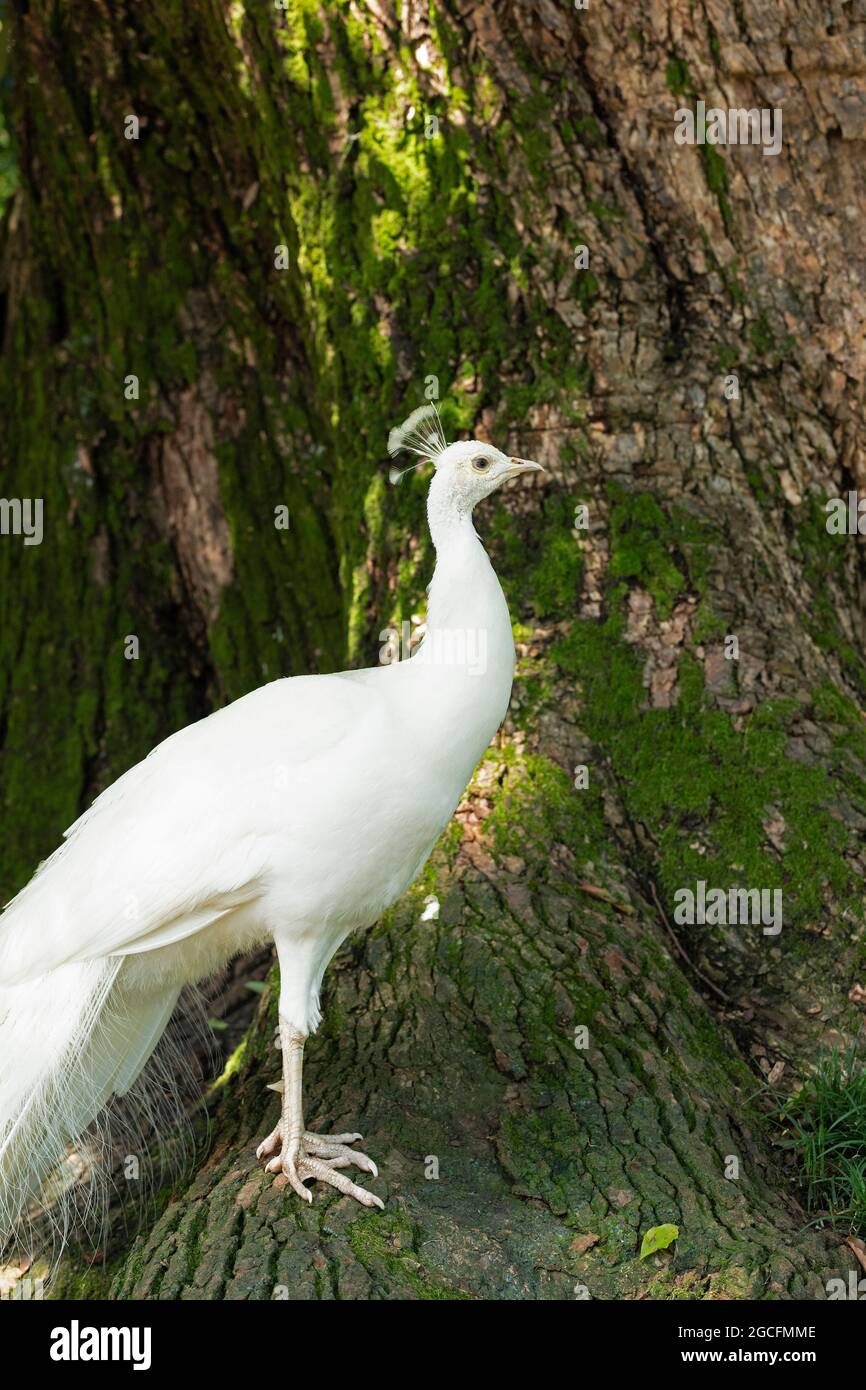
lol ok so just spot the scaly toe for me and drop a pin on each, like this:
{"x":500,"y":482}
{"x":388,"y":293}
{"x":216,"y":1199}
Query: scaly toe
{"x":310,"y":1167}
{"x":296,"y":1175}
{"x":318,"y":1147}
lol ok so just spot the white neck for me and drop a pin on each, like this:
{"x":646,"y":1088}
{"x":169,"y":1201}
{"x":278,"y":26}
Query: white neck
{"x":449,"y":519}
{"x":468,"y":648}
{"x":461,"y":592}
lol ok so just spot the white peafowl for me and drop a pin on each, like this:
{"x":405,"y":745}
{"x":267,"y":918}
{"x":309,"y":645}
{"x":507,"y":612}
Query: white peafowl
{"x":296,"y":814}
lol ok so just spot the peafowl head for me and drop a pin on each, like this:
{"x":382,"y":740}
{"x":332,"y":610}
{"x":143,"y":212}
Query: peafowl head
{"x":466,"y":472}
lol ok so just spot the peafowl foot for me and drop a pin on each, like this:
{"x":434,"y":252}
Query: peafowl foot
{"x":311,"y":1156}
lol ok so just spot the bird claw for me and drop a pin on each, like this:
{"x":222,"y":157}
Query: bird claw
{"x":273,"y":1141}
{"x":320,"y":1156}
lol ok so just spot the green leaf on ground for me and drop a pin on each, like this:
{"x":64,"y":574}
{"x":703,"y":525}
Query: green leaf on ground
{"x":658,"y":1238}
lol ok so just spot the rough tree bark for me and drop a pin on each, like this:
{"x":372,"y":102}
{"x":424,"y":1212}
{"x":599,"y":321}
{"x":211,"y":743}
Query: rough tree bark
{"x":418,"y":250}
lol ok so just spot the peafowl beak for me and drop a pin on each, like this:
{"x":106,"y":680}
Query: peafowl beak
{"x":523,"y":466}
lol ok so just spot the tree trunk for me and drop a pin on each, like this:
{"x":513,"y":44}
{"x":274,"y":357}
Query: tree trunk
{"x":428,"y":185}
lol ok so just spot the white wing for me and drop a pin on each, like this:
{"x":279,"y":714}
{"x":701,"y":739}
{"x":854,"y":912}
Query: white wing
{"x":185,"y":836}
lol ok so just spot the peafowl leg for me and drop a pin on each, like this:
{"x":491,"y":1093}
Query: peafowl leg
{"x":301,"y":1155}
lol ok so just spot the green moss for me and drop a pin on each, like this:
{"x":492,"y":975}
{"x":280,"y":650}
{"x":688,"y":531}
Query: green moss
{"x":540,"y":805}
{"x":79,"y":1281}
{"x":532,"y":694}
{"x":824,"y":568}
{"x":545,"y":570}
{"x":683,"y":768}
{"x":727,"y":357}
{"x":702,"y":789}
{"x":668,"y":551}
{"x":384,"y":1245}
{"x":451,"y":841}
{"x":688,"y":766}
{"x":761,"y":335}
{"x":716,"y":175}
{"x":589,"y":130}
{"x":542,"y":1147}
{"x":707,"y":625}
{"x":8,"y":168}
{"x":677,"y":77}
{"x":233,"y":1067}
{"x":672,"y":1285}
{"x":679,"y":81}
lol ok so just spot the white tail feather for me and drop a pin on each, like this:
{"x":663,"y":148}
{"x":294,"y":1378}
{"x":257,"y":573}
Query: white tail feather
{"x":69,"y":1041}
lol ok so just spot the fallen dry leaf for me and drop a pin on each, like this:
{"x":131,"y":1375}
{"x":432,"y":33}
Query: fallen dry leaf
{"x":859,"y":1248}
{"x":581,"y":1244}
{"x":620,"y":1196}
{"x":606,"y":898}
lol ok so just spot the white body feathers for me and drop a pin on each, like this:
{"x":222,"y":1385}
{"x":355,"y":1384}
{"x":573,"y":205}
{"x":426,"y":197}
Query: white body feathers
{"x":297,"y":813}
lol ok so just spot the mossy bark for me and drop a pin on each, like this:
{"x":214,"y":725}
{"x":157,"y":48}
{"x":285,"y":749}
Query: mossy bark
{"x":430,"y":183}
